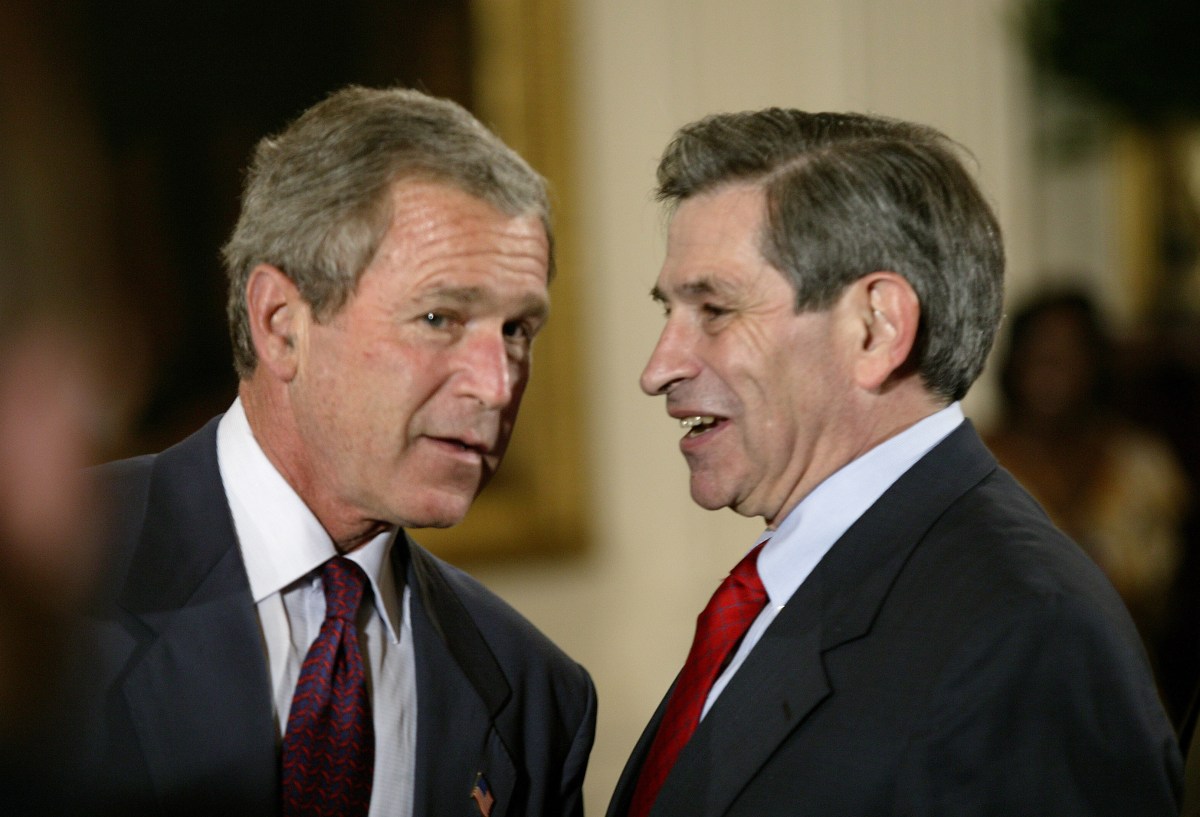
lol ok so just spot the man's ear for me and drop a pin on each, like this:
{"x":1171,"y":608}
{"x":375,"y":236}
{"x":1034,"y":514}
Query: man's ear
{"x":888,"y":313}
{"x":278,"y":316}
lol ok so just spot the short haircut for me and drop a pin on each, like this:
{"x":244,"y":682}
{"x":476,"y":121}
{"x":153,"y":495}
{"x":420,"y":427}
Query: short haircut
{"x":316,"y":201}
{"x":851,"y":194}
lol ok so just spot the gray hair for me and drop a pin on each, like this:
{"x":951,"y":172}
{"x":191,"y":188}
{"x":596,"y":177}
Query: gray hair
{"x":316,"y":199}
{"x":850,"y":194}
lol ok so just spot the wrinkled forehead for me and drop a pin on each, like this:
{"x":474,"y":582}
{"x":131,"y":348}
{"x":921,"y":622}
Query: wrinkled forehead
{"x":522,"y":199}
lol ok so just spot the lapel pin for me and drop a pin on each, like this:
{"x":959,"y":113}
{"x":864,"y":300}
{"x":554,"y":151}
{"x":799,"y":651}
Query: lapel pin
{"x":482,"y":795}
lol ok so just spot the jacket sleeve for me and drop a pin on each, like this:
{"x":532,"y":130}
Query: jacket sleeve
{"x":575,"y":765}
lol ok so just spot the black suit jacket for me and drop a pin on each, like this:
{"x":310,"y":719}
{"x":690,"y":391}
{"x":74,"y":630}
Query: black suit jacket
{"x":953,"y":654}
{"x":178,"y":716}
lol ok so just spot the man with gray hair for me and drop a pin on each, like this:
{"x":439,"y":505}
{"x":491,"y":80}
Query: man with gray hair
{"x":910,"y":635}
{"x":273,"y":641}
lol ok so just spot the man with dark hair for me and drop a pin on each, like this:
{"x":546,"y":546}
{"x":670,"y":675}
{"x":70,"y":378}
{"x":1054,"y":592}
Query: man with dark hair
{"x":273,"y":640}
{"x":910,"y":635}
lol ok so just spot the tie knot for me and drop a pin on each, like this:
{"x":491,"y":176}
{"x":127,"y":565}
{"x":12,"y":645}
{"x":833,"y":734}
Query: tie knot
{"x":343,"y":582}
{"x":745,"y":573}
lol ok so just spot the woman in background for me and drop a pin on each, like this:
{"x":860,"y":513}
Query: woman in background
{"x":1116,"y":489}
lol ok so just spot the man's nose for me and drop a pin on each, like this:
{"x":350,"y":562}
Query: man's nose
{"x":489,"y":372}
{"x":671,"y":361}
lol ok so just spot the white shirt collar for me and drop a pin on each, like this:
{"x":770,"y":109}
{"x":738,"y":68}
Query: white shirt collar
{"x":280,"y":538}
{"x":811,"y":528}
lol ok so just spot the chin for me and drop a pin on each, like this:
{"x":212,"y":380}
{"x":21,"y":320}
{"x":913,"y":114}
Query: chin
{"x":439,"y":512}
{"x":708,"y":499}
{"x":430,"y":523}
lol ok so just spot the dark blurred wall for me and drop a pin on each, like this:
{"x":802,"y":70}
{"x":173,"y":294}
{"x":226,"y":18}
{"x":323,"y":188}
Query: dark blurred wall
{"x":177,"y":93}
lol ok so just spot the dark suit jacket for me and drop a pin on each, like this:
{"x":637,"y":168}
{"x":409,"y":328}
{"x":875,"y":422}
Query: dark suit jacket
{"x":180,"y":713}
{"x":953,"y":654}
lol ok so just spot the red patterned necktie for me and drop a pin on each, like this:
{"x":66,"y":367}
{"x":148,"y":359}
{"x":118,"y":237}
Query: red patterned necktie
{"x":719,"y":629}
{"x":329,"y":745}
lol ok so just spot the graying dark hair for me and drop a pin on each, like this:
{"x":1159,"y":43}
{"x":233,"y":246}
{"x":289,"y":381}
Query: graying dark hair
{"x":850,"y":194}
{"x":316,"y":200}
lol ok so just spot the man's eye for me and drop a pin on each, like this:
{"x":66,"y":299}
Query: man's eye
{"x":713,"y":311}
{"x":517,"y":330}
{"x":435,"y":319}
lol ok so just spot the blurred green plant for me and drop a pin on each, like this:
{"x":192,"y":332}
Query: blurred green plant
{"x":1139,"y":58}
{"x":1105,"y":65}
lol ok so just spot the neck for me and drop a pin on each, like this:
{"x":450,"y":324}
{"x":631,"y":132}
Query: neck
{"x":881,"y":419}
{"x":275,"y":431}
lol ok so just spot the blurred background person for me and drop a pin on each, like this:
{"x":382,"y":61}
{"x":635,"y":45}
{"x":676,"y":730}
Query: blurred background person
{"x":58,"y":412}
{"x":67,"y":388}
{"x":51,"y":421}
{"x":1116,"y":488}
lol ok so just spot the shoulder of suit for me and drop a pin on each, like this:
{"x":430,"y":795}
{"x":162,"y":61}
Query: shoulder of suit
{"x":124,"y":496}
{"x":122,"y":490}
{"x":510,"y":635}
{"x":997,"y":535}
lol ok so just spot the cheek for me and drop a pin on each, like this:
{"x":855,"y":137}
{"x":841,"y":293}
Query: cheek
{"x":413,"y":393}
{"x":793,"y":400}
{"x":351,"y":395}
{"x":386,"y":367}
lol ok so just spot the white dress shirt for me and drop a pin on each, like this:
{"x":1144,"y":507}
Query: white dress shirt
{"x":282,"y":545}
{"x":807,"y":533}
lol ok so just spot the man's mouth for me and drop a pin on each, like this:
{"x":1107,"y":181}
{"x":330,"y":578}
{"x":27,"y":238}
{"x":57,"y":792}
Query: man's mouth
{"x":462,"y":445}
{"x":698,"y":424}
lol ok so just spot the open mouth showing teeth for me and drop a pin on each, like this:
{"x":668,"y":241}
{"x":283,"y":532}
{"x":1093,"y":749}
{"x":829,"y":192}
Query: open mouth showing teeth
{"x":698,"y":424}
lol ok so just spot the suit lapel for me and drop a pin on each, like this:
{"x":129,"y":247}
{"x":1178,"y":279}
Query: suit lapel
{"x":783,"y":679}
{"x":462,"y":695}
{"x":196,"y":682}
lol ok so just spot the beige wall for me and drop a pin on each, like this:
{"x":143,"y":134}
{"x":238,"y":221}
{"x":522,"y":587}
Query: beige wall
{"x":644,"y":67}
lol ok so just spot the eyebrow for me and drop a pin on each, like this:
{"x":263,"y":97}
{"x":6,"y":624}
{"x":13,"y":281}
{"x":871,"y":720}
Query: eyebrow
{"x":694,"y":289}
{"x":460,"y":295}
{"x":532,"y":305}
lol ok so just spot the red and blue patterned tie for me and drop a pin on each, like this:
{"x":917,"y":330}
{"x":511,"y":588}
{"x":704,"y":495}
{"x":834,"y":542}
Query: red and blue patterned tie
{"x":719,"y":629}
{"x":329,"y":745}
